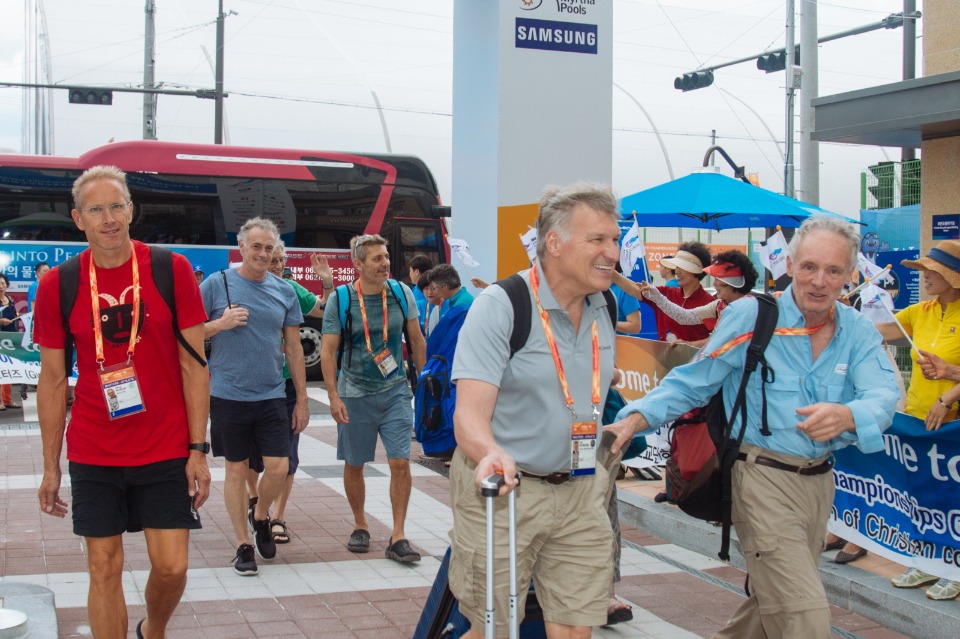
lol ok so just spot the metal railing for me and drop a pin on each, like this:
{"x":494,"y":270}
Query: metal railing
{"x":889,"y":185}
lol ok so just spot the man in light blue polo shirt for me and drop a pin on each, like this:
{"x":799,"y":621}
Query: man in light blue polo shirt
{"x":832,"y":386}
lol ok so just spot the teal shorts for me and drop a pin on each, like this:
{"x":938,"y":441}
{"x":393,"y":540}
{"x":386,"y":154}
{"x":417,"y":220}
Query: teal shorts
{"x":388,"y":413}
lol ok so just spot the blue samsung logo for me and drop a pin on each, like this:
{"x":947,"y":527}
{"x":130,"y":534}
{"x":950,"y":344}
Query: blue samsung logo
{"x":550,"y":35}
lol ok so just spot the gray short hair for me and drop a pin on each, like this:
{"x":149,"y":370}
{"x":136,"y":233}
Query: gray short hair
{"x":280,"y":246}
{"x":359,"y":244}
{"x":99,"y":173}
{"x":445,"y":275}
{"x":558,"y":202}
{"x":261,"y":223}
{"x":843,"y":229}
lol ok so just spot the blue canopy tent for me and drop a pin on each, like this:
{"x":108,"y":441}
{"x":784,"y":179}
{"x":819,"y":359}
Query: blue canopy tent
{"x":715,"y":201}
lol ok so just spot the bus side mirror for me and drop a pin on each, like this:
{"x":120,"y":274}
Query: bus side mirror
{"x":438,"y":211}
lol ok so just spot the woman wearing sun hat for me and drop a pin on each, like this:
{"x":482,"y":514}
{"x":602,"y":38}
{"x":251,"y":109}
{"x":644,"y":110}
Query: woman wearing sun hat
{"x":934,"y":326}
{"x":688,"y":265}
{"x":733,"y":277}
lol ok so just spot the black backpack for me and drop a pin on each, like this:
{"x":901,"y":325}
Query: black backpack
{"x":708,"y":494}
{"x":161,"y":264}
{"x":519,"y":294}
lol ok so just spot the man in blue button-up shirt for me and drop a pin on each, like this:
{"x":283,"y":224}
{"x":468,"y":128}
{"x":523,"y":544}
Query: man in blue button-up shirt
{"x":832,"y":386}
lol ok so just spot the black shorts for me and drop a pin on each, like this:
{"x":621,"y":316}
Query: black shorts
{"x":240,"y":429}
{"x":256,"y":461}
{"x":110,"y":500}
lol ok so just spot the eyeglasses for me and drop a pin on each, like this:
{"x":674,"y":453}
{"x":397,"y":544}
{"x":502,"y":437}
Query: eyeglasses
{"x":97,"y":211}
{"x":278,"y":260}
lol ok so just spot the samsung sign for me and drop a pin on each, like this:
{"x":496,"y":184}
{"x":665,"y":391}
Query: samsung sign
{"x":550,"y":35}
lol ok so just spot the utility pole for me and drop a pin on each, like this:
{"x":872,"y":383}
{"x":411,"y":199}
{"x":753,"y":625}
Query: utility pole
{"x":218,"y":87}
{"x":909,"y":61}
{"x":809,"y":149}
{"x":788,"y":189}
{"x":149,"y":66}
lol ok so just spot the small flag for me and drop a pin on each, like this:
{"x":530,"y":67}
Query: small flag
{"x":773,"y":255}
{"x":462,"y":250}
{"x":876,"y":304}
{"x":529,"y":240}
{"x":632,"y":249}
{"x":871,"y":271}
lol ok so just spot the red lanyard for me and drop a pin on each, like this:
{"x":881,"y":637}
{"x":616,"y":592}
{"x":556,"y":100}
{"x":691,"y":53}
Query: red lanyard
{"x":548,"y":332}
{"x":95,"y":304}
{"x":740,"y":339}
{"x":363,"y":314}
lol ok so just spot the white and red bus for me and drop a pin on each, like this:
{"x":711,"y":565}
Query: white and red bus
{"x":193,"y":198}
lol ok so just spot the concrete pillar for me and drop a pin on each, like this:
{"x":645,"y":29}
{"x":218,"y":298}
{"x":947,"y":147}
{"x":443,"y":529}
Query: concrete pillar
{"x":939,"y":187}
{"x":532,"y":106}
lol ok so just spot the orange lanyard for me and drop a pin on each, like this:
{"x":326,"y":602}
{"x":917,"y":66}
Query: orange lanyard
{"x":363,"y":314}
{"x":548,"y":332}
{"x":95,"y":304}
{"x":736,"y":341}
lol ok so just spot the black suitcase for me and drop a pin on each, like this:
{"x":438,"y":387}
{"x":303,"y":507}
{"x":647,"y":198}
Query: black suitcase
{"x":441,"y":618}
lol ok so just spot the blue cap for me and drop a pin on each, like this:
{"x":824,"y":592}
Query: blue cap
{"x":197,"y":268}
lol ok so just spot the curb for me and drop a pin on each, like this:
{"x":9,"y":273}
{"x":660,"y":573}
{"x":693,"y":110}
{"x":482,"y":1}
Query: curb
{"x":907,"y":611}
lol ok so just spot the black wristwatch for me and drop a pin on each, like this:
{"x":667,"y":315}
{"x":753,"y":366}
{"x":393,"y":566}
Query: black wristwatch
{"x":203,"y":447}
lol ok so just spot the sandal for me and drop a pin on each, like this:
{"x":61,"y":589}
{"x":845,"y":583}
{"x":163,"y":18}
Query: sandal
{"x":359,"y":541}
{"x":281,"y":536}
{"x":2,"y":407}
{"x":14,"y":406}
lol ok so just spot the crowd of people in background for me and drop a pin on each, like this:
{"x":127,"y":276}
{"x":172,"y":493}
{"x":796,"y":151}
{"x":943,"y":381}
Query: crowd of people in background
{"x":528,"y":410}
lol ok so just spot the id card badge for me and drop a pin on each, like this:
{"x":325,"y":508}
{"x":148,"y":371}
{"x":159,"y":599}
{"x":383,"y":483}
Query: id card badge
{"x":121,"y":390}
{"x":583,"y":449}
{"x":386,"y":363}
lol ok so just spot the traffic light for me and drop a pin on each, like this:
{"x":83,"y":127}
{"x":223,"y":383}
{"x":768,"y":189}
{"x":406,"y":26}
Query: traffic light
{"x":882,"y":190}
{"x":91,"y":96}
{"x":777,"y":61}
{"x":694,"y":80}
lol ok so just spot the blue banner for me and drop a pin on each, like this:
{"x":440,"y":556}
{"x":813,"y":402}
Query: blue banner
{"x":902,"y":503}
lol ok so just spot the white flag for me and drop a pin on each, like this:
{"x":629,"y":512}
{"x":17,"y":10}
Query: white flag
{"x":876,"y":303}
{"x":462,"y":251}
{"x":871,"y":271}
{"x":529,"y":240}
{"x":631,"y":250}
{"x":773,"y":255}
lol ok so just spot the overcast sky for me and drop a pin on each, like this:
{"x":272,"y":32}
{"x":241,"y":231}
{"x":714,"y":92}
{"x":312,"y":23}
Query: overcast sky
{"x":300,"y":74}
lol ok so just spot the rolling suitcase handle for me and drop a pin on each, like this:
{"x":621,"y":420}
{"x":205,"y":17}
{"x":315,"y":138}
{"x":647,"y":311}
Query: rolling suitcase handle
{"x":490,"y":488}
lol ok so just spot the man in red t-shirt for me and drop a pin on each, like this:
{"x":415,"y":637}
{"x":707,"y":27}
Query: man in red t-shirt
{"x":688,"y":264}
{"x":136,"y":439}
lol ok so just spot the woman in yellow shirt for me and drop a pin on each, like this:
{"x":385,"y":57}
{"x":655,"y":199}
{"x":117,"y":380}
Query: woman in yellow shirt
{"x":934,"y":326}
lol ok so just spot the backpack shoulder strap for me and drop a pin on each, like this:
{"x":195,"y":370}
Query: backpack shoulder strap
{"x":343,"y":312}
{"x":161,"y":265}
{"x":519,"y":294}
{"x":611,"y":300}
{"x":69,"y":284}
{"x":399,"y":295}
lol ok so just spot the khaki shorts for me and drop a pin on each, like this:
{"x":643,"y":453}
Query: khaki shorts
{"x":564,"y":544}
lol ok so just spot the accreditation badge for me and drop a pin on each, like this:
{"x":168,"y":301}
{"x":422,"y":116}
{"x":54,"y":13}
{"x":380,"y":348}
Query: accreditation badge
{"x":385,"y":362}
{"x":583,"y":449}
{"x":121,"y":390}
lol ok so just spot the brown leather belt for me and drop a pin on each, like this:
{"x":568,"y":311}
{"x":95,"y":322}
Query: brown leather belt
{"x":819,"y":469}
{"x":552,"y":478}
